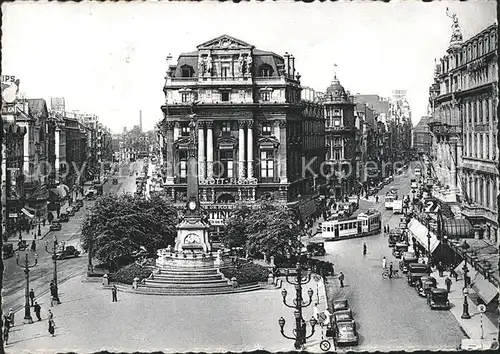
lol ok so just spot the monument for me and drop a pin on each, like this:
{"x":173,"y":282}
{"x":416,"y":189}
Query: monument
{"x":192,"y":246}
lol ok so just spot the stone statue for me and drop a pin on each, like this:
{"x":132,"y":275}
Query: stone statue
{"x":249,"y":64}
{"x":208,"y":64}
{"x":241,"y":62}
{"x":456,"y":34}
{"x":201,"y":66}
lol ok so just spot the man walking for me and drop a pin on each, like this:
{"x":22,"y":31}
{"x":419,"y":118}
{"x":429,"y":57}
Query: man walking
{"x":390,"y":270}
{"x":384,"y":262}
{"x":341,"y":279}
{"x":37,"y":309}
{"x":376,"y":198}
{"x":447,"y":281}
{"x":113,"y":293}
{"x":32,"y":297}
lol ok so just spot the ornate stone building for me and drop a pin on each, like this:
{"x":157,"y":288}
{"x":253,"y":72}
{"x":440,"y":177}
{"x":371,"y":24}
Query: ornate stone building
{"x":256,"y":137}
{"x":340,"y":136}
{"x":464,"y":97}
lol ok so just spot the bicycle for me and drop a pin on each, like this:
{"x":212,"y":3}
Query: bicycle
{"x":395,"y":274}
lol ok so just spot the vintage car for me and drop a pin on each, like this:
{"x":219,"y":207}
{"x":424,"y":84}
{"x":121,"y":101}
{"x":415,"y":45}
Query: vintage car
{"x":424,"y":285}
{"x":70,"y":211}
{"x":340,"y":305}
{"x":394,"y":237}
{"x":91,"y":194}
{"x":8,"y":250}
{"x":399,"y":249}
{"x":437,"y":299}
{"x":345,"y":333}
{"x":56,"y":225}
{"x":416,"y":271}
{"x":63,"y":217}
{"x":342,"y":315}
{"x":115,"y":181}
{"x":68,"y":252}
{"x":22,"y":245}
{"x":316,"y":248}
{"x":407,"y":258}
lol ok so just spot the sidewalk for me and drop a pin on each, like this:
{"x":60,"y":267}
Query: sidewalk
{"x":472,"y":326}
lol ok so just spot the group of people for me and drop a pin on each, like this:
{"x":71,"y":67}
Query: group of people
{"x":8,"y":320}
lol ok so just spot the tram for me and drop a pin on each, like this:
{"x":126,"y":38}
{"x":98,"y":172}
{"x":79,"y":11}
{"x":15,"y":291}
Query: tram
{"x":364,"y":224}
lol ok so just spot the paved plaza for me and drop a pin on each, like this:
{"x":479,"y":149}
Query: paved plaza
{"x":88,"y":321}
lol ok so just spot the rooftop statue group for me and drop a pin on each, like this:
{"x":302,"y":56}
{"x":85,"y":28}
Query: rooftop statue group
{"x":243,"y":65}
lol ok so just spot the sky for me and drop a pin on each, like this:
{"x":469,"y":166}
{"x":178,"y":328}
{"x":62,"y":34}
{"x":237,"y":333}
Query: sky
{"x":110,"y":58}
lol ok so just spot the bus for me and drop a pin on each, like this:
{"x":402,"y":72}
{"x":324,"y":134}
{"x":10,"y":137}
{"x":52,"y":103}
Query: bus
{"x":389,"y":199}
{"x":364,"y":224}
{"x":397,"y":206}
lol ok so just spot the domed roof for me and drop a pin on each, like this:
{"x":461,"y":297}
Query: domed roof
{"x":336,"y":92}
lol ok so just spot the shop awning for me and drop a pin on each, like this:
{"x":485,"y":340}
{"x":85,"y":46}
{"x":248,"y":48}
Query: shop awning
{"x":60,"y":191}
{"x":419,"y":231}
{"x":27,"y":213}
{"x":458,"y":228}
{"x":484,"y":288}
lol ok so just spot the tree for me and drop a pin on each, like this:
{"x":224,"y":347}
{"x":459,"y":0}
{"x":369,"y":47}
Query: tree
{"x":270,"y":228}
{"x":119,"y":225}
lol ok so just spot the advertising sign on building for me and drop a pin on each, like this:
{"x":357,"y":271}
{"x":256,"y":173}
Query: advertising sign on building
{"x":10,"y":90}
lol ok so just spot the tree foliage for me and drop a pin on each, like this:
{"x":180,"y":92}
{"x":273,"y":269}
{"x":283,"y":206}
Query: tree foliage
{"x":268,"y":228}
{"x":119,"y":225}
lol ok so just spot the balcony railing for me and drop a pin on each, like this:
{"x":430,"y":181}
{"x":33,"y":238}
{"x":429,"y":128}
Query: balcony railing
{"x":478,"y":211}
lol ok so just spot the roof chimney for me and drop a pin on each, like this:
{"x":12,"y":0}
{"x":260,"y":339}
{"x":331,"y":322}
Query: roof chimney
{"x":287,"y":64}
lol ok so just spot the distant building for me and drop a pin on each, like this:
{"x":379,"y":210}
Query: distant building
{"x":422,"y":136}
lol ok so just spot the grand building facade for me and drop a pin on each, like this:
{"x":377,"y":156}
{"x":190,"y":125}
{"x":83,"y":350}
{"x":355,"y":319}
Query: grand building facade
{"x":464,"y":127}
{"x":256,"y":138}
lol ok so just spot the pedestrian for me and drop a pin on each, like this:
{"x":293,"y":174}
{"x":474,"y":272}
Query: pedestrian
{"x":440,"y":269}
{"x":341,"y":279}
{"x":384,"y":262}
{"x":453,"y":273}
{"x":43,"y":222}
{"x":447,"y":281}
{"x":376,"y":198}
{"x":50,"y":316}
{"x":316,"y":312}
{"x":113,"y":293}
{"x":32,"y":297}
{"x":6,"y":329}
{"x":391,"y":267}
{"x":33,"y":246}
{"x":11,"y":317}
{"x":364,"y":248}
{"x":52,"y":327}
{"x":37,"y":309}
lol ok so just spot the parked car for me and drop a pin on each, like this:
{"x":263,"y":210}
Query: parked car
{"x":342,"y":315}
{"x":63,"y":217}
{"x":70,"y":211}
{"x":437,"y":299}
{"x":68,"y":252}
{"x":407,"y":258}
{"x":316,"y":248}
{"x":399,"y":249}
{"x":345,"y":333}
{"x":340,"y":305}
{"x":91,"y":194}
{"x":424,"y":285}
{"x":416,"y":271}
{"x":8,"y":250}
{"x":56,"y":225}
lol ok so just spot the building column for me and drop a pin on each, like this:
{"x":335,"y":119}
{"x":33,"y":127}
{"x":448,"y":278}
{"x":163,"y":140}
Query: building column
{"x":282,"y":152}
{"x":210,"y":150}
{"x":249,"y":149}
{"x":170,"y":152}
{"x":177,"y":130}
{"x":241,"y":150}
{"x":201,"y":150}
{"x":492,"y":193}
{"x":485,"y":190}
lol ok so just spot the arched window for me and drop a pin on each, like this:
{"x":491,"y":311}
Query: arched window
{"x":187,"y":71}
{"x":265,"y":70}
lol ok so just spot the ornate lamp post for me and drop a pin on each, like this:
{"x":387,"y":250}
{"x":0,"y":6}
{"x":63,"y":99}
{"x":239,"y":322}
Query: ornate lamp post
{"x":39,"y":230}
{"x":299,"y":333}
{"x":465,"y":313}
{"x":27,"y":266}
{"x":54,"y":259}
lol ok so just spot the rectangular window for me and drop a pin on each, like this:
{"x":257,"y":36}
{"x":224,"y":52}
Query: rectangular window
{"x":226,"y":159}
{"x":225,"y":96}
{"x":224,"y":71}
{"x":336,"y":154}
{"x":266,"y":165}
{"x":185,"y":97}
{"x":266,"y":129}
{"x":183,"y":166}
{"x":266,"y":95}
{"x":226,"y":128}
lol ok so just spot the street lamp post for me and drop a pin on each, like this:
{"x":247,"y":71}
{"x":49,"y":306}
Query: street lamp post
{"x":54,"y":259}
{"x":27,"y":266}
{"x":299,"y":333}
{"x":39,"y":230}
{"x":429,"y":241}
{"x":90,"y":267}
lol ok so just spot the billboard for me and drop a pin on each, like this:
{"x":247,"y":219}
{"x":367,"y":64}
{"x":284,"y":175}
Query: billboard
{"x":10,"y":90}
